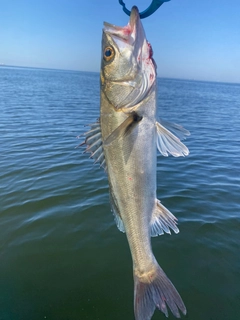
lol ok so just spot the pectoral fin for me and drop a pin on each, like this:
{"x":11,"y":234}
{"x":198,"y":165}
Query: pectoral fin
{"x":168,"y":143}
{"x":124,"y":129}
{"x":162,"y":221}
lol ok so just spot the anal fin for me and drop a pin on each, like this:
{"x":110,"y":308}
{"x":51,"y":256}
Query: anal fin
{"x":162,"y":221}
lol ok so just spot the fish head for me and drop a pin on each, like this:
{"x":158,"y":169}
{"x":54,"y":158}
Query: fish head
{"x":128,"y":71}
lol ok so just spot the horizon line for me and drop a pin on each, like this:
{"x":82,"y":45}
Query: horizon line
{"x":2,"y":65}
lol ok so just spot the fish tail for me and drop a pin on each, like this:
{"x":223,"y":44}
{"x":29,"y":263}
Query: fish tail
{"x":152,"y":290}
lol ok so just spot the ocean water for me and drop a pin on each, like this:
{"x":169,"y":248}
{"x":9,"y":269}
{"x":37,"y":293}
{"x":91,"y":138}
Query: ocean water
{"x":61,"y":255}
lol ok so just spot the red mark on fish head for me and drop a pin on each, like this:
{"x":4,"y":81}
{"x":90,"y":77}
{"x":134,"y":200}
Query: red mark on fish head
{"x":127,"y":30}
{"x":154,"y":64}
{"x":150,"y":51}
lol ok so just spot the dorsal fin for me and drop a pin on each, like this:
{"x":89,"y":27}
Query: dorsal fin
{"x":93,"y":141}
{"x":116,"y":212}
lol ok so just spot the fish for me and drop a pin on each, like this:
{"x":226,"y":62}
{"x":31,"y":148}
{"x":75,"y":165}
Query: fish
{"x":124,"y":141}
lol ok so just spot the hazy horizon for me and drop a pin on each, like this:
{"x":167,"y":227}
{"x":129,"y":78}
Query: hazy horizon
{"x":98,"y":72}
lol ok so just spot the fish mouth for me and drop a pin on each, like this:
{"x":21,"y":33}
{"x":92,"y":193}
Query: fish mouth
{"x":136,"y":24}
{"x":134,"y":16}
{"x":133,"y":32}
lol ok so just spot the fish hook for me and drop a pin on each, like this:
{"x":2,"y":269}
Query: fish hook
{"x":146,"y":13}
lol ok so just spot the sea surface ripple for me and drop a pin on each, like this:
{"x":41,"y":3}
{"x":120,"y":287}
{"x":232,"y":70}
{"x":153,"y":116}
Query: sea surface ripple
{"x":62,"y":256}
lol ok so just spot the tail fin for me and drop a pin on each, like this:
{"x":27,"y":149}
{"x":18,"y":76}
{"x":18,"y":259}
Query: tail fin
{"x":154,"y":290}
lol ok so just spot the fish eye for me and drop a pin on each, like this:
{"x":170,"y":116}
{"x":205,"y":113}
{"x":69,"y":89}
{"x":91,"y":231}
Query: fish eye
{"x":109,"y":53}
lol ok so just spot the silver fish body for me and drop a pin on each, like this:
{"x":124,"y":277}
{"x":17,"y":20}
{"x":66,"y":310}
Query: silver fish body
{"x":125,"y":142}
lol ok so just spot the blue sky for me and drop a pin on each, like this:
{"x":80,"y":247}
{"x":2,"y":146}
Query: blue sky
{"x":191,"y":39}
